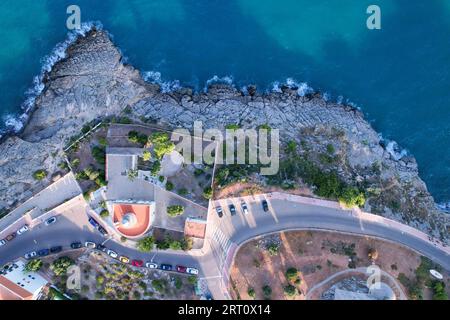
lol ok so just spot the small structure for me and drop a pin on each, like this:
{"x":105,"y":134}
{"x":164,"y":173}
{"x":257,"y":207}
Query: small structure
{"x":16,"y":284}
{"x":132,"y":220}
{"x":195,"y":228}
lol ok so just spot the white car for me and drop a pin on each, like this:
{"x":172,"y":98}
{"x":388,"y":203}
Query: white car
{"x":30,"y":255}
{"x":22,"y":230}
{"x":50,"y":221}
{"x":90,"y":244}
{"x":192,"y":271}
{"x":112,"y":254}
{"x":2,"y":242}
{"x":151,"y":265}
{"x":244,"y":207}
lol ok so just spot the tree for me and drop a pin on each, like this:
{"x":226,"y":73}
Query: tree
{"x":133,"y":136}
{"x":146,"y":155}
{"x":60,"y":265}
{"x":161,"y":144}
{"x":352,"y":197}
{"x":267,"y":290}
{"x":33,"y":265}
{"x":146,"y":244}
{"x":155,"y":167}
{"x":169,"y":186}
{"x":292,"y":274}
{"x":273,"y":249}
{"x":291,"y":146}
{"x":439,"y":291}
{"x":98,"y":153}
{"x":39,"y":174}
{"x":251,"y":292}
{"x":104,"y":213}
{"x":192,"y":280}
{"x":207,"y":193}
{"x":132,"y":174}
{"x":175,"y":210}
{"x":290,"y":290}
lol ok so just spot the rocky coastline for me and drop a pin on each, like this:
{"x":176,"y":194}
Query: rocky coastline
{"x":93,"y":82}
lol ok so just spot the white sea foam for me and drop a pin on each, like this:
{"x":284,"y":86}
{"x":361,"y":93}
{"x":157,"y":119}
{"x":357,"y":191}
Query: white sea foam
{"x":395,"y":151}
{"x":58,"y":53}
{"x":12,"y":123}
{"x":302,"y":87}
{"x":219,"y":80}
{"x":444,"y":206}
{"x":155,"y":77}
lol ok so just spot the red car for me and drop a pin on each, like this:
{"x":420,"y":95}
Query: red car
{"x":181,"y":269}
{"x":137,"y":263}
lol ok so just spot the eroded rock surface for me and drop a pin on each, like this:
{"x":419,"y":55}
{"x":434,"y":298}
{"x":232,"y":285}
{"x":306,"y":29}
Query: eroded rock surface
{"x":93,"y":82}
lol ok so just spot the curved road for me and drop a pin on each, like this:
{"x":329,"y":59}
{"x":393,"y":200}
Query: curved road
{"x":225,"y":235}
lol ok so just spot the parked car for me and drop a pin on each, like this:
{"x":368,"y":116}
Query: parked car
{"x":265,"y":205}
{"x":93,"y":222}
{"x":101,"y":247}
{"x":43,"y":252}
{"x":56,"y":249}
{"x":232,"y":209}
{"x":2,"y":242}
{"x":124,"y":259}
{"x":166,"y":267}
{"x":22,"y":230}
{"x":102,"y":230}
{"x":219,"y":211}
{"x":112,"y":254}
{"x":192,"y":271}
{"x":76,"y":245}
{"x":151,"y":265}
{"x":244,"y":207}
{"x":90,"y":244}
{"x":30,"y":255}
{"x":181,"y":269}
{"x":137,"y":263}
{"x":10,"y":237}
{"x":50,"y":221}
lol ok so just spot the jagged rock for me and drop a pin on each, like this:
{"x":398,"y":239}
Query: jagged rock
{"x":93,"y":82}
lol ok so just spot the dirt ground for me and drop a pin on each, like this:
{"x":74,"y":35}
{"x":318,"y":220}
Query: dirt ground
{"x":317,"y":256}
{"x":240,"y":189}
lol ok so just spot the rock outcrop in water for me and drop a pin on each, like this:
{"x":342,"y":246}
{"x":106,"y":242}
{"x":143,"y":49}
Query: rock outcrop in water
{"x":93,"y":82}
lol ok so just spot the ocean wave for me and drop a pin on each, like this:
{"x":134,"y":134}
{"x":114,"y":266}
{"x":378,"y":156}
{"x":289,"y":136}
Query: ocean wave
{"x":219,"y":80}
{"x":16,"y":123}
{"x":445,"y":206}
{"x":395,"y":151}
{"x":302,"y":87}
{"x":155,"y":77}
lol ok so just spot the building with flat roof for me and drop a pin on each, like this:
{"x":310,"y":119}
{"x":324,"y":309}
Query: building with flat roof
{"x":16,"y":284}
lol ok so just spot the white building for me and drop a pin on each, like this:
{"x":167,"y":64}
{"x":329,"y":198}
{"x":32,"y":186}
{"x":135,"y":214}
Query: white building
{"x":16,"y":284}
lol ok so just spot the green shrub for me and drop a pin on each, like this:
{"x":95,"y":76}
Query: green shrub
{"x":159,"y":285}
{"x":207,"y":193}
{"x":178,"y":283}
{"x":251,"y":292}
{"x":33,"y":265}
{"x":155,"y":167}
{"x":290,"y":290}
{"x":351,"y":197}
{"x":102,"y":141}
{"x":192,"y":280}
{"x":183,"y":192}
{"x":98,"y":153}
{"x":104,"y":213}
{"x":439,"y":291}
{"x":232,"y":126}
{"x":267,"y":291}
{"x":330,"y":148}
{"x":146,"y":155}
{"x":273,"y":249}
{"x":198,"y":172}
{"x":169,"y":186}
{"x":292,"y":274}
{"x":145,"y":244}
{"x":60,"y":265}
{"x":175,"y":210}
{"x":75,"y":162}
{"x":40,"y":174}
{"x":63,"y":165}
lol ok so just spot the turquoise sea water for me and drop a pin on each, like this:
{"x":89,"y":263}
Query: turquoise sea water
{"x":399,"y":75}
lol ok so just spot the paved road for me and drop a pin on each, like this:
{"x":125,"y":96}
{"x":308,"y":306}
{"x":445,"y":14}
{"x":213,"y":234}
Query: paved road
{"x":224,"y":236}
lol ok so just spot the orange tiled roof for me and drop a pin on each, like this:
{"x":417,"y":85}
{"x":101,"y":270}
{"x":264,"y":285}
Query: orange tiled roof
{"x":13,"y":288}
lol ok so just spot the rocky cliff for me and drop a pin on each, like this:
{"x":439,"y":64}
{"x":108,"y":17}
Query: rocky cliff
{"x":93,"y":82}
